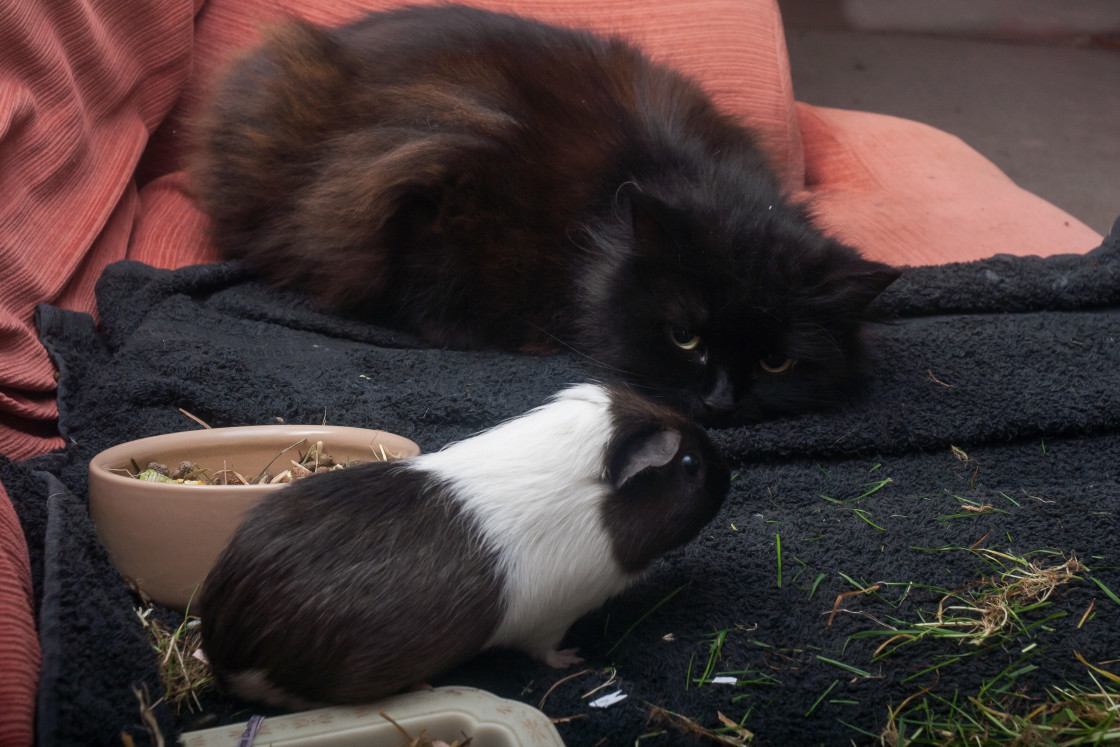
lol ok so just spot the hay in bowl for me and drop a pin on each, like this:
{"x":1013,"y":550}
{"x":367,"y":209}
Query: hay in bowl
{"x":165,"y":536}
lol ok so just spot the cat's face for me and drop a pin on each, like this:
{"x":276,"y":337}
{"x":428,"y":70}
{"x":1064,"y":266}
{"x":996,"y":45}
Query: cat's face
{"x":734,"y":325}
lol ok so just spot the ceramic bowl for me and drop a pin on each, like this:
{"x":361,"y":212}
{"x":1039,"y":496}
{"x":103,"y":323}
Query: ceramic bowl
{"x":165,"y":537}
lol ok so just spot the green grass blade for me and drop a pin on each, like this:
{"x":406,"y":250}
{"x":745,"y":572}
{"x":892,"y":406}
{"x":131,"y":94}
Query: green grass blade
{"x":641,"y":619}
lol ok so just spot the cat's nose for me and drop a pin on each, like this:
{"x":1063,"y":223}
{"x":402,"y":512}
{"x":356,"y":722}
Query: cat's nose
{"x":719,"y":395}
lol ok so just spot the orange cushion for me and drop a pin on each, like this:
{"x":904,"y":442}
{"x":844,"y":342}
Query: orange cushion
{"x":908,"y":194}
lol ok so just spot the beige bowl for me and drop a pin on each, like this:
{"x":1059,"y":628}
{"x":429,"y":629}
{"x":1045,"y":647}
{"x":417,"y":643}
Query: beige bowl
{"x":164,"y":537}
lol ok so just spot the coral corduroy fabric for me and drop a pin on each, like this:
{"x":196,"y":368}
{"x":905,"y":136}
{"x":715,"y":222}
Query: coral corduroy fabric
{"x":906,"y":193}
{"x":94,"y":95}
{"x":19,"y":646}
{"x":83,"y":83}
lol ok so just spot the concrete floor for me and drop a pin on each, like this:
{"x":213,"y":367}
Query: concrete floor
{"x":1046,"y":110}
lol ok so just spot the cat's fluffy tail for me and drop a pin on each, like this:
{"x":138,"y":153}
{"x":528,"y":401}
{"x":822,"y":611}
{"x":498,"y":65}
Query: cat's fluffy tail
{"x":310,"y":172}
{"x":258,"y":130}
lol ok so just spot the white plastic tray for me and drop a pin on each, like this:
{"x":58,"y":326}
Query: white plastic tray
{"x":447,"y":713}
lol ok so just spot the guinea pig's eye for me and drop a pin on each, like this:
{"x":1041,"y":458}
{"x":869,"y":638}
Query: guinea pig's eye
{"x":776,"y":364}
{"x":683,"y":338}
{"x":690,"y":464}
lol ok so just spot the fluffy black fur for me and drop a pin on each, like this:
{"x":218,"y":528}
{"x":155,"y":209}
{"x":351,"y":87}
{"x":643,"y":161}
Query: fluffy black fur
{"x":494,"y":182}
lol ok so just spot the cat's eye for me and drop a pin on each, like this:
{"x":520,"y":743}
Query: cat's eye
{"x":684,"y":339}
{"x":775,"y":364}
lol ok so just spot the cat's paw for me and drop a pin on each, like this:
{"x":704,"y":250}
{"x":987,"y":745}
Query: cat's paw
{"x":562,"y":659}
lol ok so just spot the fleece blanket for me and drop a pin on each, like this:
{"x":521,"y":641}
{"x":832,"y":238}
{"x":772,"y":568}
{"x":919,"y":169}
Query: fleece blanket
{"x":839,"y":597}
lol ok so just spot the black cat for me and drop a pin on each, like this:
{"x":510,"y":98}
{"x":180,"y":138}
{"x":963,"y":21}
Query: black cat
{"x":494,"y":182}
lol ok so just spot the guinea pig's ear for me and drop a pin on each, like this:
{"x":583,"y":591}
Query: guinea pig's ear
{"x":641,"y":452}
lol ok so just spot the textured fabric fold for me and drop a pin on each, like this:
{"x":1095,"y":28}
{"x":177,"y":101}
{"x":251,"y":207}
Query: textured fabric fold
{"x":84,"y":83}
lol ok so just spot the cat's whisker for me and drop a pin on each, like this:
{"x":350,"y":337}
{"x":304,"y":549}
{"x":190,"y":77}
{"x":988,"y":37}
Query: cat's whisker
{"x":618,"y":192}
{"x":826,"y":334}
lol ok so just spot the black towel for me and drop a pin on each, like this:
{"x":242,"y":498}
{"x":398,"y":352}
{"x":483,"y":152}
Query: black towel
{"x":989,"y":432}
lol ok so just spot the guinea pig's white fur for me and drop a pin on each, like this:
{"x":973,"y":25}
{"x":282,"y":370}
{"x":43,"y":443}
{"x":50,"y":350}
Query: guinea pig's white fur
{"x":554,"y":551}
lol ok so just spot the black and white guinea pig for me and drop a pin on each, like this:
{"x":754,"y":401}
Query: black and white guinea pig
{"x":354,"y":584}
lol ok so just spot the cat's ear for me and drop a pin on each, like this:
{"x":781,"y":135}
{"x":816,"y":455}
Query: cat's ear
{"x":854,"y":281}
{"x":655,"y":222}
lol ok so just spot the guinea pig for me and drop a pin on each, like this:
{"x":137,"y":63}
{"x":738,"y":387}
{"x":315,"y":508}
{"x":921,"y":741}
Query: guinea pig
{"x":354,"y":584}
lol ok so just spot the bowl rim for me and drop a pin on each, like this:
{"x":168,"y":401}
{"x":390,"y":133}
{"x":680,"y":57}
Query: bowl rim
{"x":123,"y":452}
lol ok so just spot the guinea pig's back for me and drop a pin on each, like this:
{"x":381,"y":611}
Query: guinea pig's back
{"x":348,"y":586}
